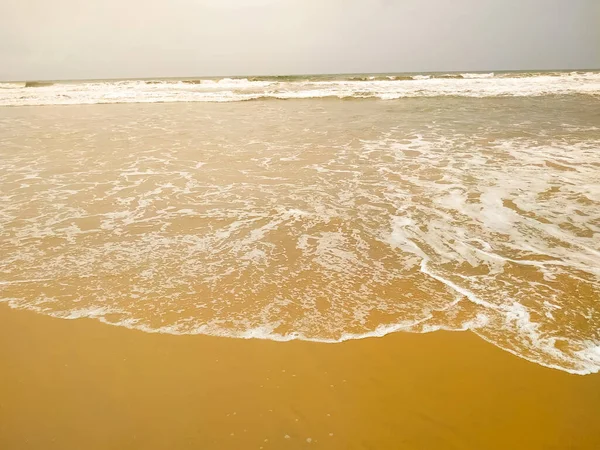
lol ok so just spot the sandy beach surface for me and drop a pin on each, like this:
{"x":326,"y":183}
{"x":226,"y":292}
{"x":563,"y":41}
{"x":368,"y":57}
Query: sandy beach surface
{"x":172,"y":227}
{"x":80,"y":384}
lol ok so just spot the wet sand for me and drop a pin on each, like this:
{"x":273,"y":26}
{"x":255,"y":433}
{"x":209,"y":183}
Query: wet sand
{"x":322,"y":220}
{"x":81,"y":384}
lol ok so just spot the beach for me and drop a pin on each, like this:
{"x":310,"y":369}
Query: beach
{"x":313,"y":219}
{"x":394,"y":261}
{"x":82,"y":384}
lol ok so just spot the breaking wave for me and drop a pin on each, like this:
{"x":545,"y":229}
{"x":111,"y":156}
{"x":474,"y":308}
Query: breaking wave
{"x":38,"y":84}
{"x":384,"y":87}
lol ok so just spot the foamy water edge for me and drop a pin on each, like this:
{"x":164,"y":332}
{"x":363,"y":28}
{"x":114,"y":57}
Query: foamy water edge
{"x":592,"y":354}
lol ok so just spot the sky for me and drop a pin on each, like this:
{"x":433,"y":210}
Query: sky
{"x":74,"y":39}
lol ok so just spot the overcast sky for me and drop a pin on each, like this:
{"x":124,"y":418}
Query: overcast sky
{"x":67,"y":39}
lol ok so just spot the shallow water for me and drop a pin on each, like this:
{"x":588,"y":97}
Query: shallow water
{"x":318,"y":219}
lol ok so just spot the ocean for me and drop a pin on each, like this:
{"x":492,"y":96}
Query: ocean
{"x":355,"y":86}
{"x":322,"y":208}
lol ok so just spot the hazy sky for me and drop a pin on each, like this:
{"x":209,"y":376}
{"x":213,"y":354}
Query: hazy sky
{"x":63,"y":39}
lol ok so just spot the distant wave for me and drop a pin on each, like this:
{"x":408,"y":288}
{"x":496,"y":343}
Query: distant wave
{"x":476,"y":75}
{"x":11,"y":85}
{"x":281,"y":78}
{"x":37,"y":83}
{"x":449,"y":76}
{"x":382,"y":86}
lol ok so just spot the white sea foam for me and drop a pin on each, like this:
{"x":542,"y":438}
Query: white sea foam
{"x":477,"y":76}
{"x":232,"y":90}
{"x":343,"y":233}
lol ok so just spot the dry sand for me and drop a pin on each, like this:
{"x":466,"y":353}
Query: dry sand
{"x":85,"y":385}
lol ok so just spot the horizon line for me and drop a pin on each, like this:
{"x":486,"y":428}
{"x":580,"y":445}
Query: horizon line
{"x":298,"y":75}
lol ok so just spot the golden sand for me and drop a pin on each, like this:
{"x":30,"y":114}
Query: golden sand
{"x":81,"y":384}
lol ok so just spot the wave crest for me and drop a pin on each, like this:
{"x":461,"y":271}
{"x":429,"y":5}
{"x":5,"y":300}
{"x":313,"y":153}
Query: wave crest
{"x":38,"y":83}
{"x":383,"y":87}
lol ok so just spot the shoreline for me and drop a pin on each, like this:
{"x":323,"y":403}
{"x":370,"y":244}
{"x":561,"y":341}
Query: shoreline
{"x":80,"y":384}
{"x":260,"y":335}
